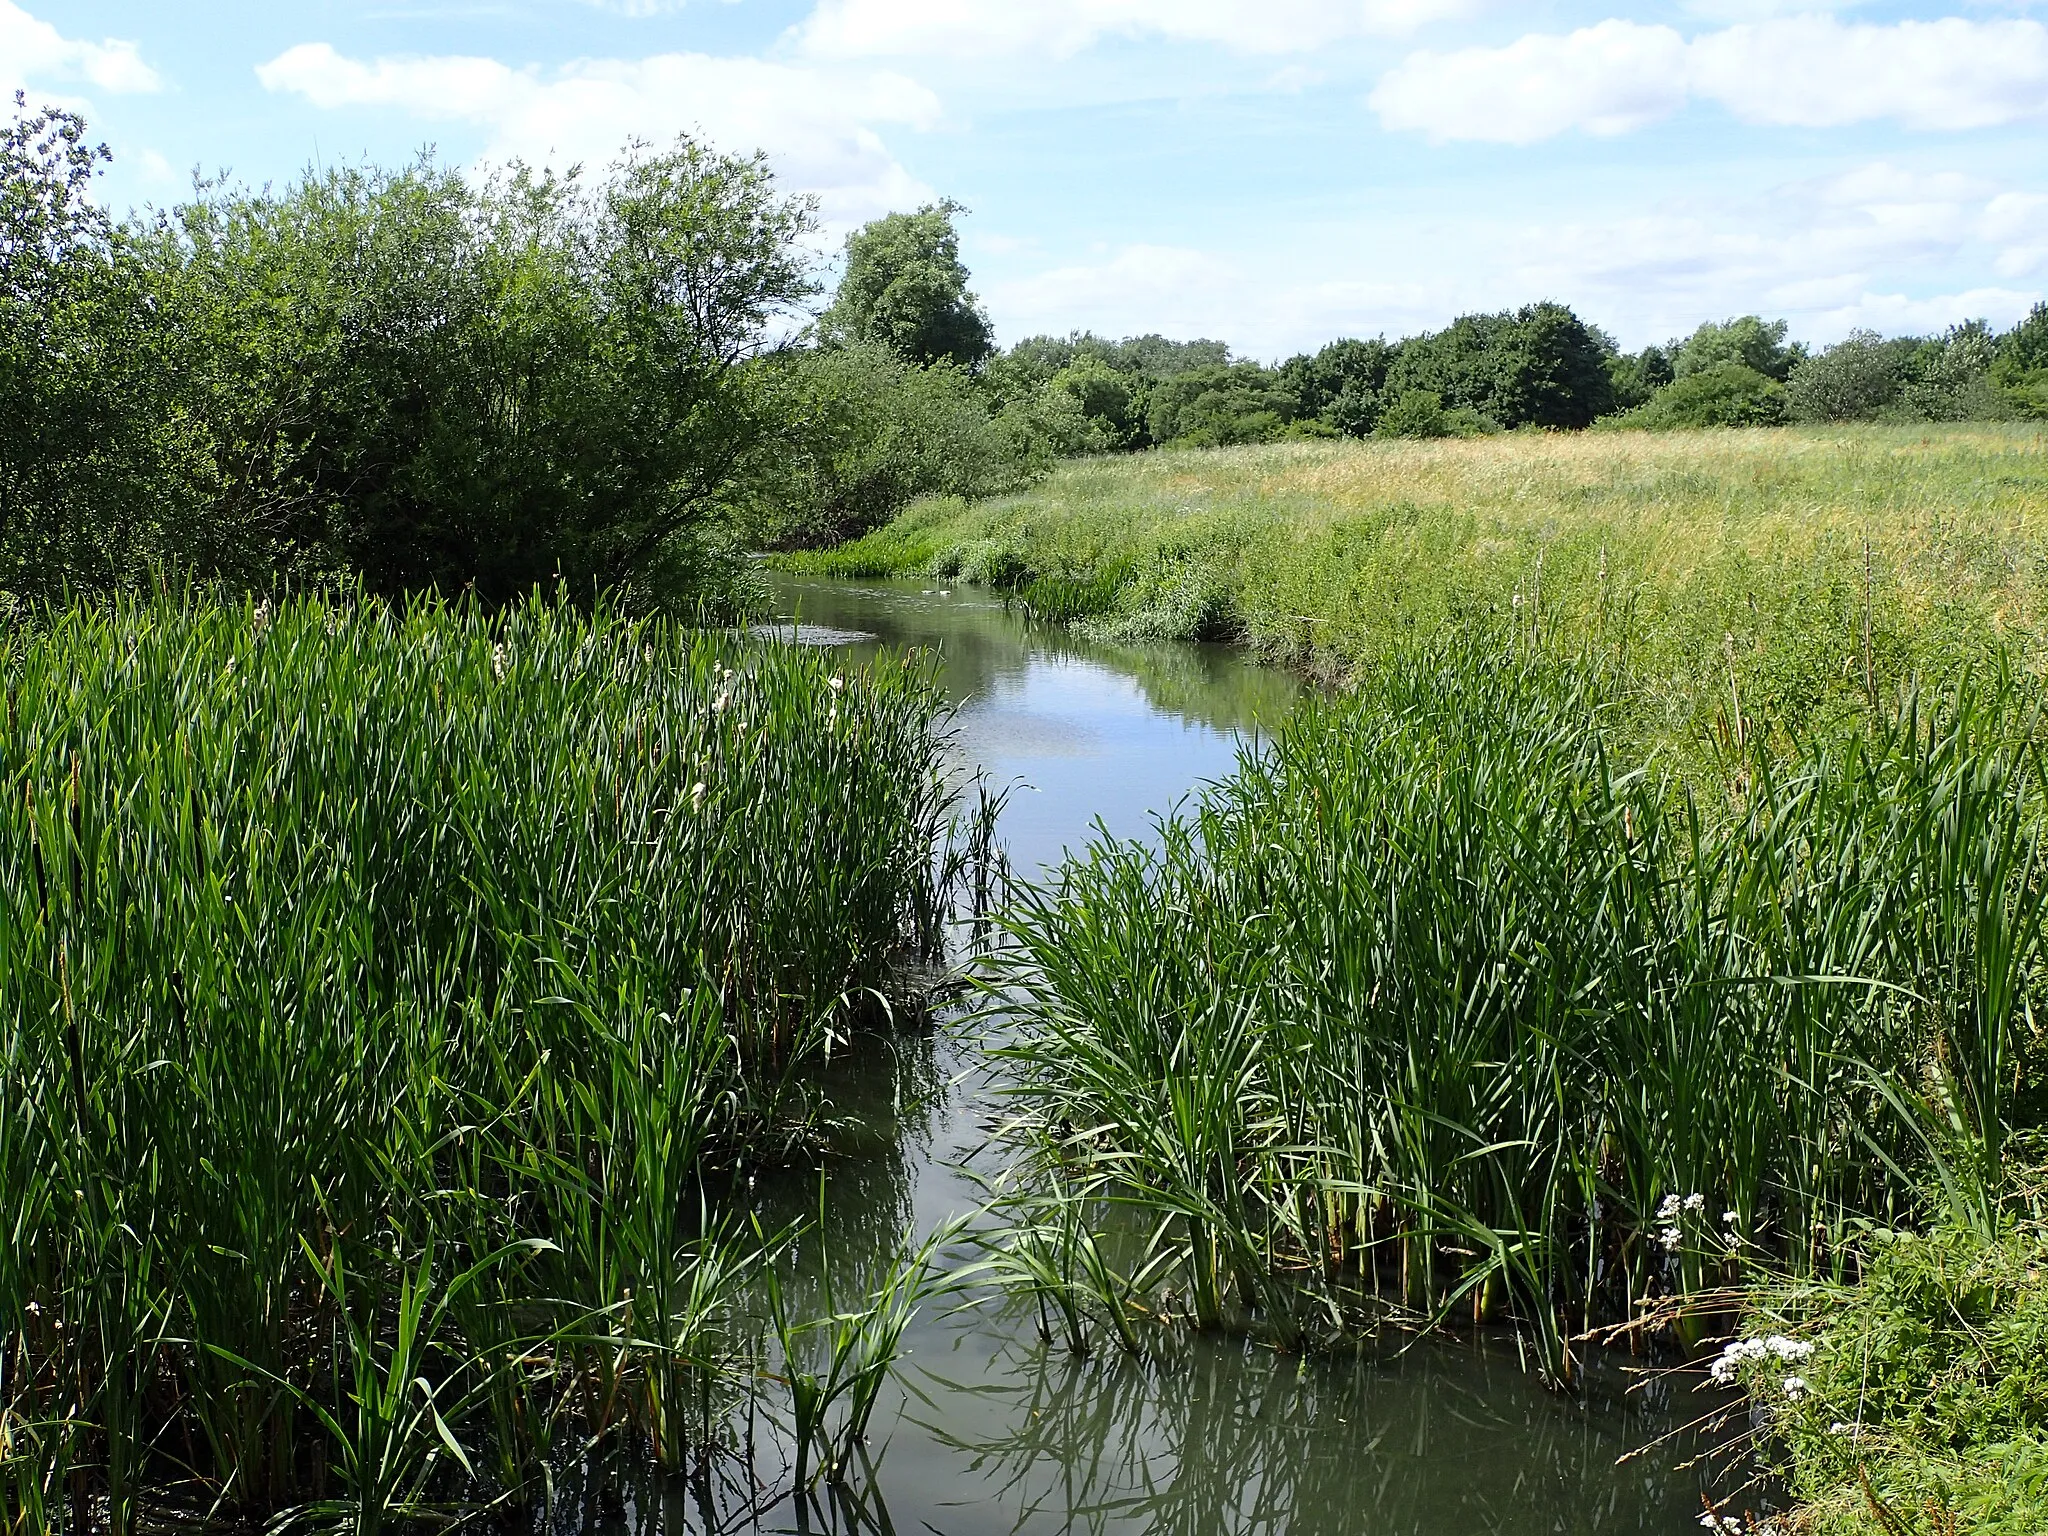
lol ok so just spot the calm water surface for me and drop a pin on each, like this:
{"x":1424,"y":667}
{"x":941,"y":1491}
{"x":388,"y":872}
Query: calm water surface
{"x":990,"y":1431}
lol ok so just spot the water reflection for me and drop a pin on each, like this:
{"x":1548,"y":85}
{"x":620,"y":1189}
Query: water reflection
{"x":987,"y":1430}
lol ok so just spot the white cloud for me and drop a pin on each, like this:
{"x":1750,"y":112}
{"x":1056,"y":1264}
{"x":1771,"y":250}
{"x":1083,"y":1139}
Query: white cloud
{"x":990,"y":28}
{"x":1803,"y":71}
{"x":1604,"y":79}
{"x":32,"y":50}
{"x":1881,"y":244}
{"x":820,"y":126}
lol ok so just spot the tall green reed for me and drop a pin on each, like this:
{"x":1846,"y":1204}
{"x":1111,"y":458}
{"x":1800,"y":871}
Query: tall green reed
{"x":1435,"y":995}
{"x":343,"y":949}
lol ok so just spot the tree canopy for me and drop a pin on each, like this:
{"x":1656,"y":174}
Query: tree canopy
{"x":905,"y":288}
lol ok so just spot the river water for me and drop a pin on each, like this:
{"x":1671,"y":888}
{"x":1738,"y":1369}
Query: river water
{"x":987,"y":1429}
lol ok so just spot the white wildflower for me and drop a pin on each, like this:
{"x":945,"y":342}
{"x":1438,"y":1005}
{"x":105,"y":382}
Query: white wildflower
{"x":1671,"y":1237}
{"x":1727,"y":1525}
{"x":697,"y":794}
{"x":1695,"y":1203}
{"x":1668,"y":1211}
{"x":1728,"y":1365}
{"x":1731,"y":1218}
{"x":835,"y":682}
{"x":719,"y":704}
{"x":1795,"y":1387}
{"x":498,"y":660}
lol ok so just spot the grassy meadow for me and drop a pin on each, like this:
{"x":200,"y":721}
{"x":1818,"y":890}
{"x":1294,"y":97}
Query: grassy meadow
{"x":1782,"y":575}
{"x":381,"y":996}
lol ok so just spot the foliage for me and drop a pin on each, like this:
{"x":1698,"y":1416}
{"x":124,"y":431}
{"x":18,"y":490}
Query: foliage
{"x":1214,"y":406}
{"x":1112,"y":402}
{"x":905,"y":288}
{"x":1420,"y":413}
{"x":1801,"y":568}
{"x":1867,"y":377}
{"x":380,"y":996}
{"x":1725,"y":395}
{"x":1538,"y":366}
{"x":1443,"y":987}
{"x":1636,"y":376}
{"x":1923,"y":1404}
{"x":859,"y":431}
{"x":1342,"y":384}
{"x":399,"y":377}
{"x":1748,"y":340}
{"x":96,"y":464}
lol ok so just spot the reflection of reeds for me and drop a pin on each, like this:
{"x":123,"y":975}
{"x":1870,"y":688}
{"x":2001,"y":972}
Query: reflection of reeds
{"x":1197,"y":1436}
{"x":1436,"y":989}
{"x":375,"y":991}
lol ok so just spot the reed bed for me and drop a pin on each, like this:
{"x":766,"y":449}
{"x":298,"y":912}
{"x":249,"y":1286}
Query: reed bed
{"x":1434,"y":1005}
{"x":381,"y":997}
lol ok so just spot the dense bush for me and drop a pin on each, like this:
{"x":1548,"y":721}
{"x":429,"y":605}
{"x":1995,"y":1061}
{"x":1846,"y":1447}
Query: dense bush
{"x":1868,"y":377}
{"x":1919,"y":1392}
{"x":1539,"y":366}
{"x":1748,"y":340}
{"x":859,"y":432}
{"x":1215,"y":406}
{"x":1725,"y":395}
{"x":405,"y":376}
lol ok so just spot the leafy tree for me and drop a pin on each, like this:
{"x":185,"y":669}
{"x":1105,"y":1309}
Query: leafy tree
{"x":860,"y":432}
{"x":1636,"y":376}
{"x":1341,"y":384}
{"x":1867,"y":377}
{"x":1112,"y":401}
{"x":1220,"y":405}
{"x":1415,"y":413}
{"x":1538,"y":366}
{"x":906,"y":288}
{"x":1159,"y":358}
{"x":1854,"y":380}
{"x":2020,"y":369}
{"x":1726,"y":395}
{"x":1749,"y":340}
{"x":95,"y":458}
{"x":445,"y":385}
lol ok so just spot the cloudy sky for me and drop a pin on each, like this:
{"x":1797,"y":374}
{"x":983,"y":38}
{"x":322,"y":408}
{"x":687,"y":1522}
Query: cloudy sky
{"x":1272,"y":172}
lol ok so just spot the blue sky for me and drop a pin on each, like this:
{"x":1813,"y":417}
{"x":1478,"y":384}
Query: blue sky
{"x":1271,"y":172}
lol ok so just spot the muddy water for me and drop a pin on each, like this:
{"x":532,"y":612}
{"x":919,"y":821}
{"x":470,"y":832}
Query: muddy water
{"x":990,"y":1430}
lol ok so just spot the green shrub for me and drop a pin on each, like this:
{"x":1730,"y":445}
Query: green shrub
{"x":1726,"y":395}
{"x":1537,"y":366}
{"x":861,"y":432}
{"x":1748,"y":341}
{"x":1925,"y":1398}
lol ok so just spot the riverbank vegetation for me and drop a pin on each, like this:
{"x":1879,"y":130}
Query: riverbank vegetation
{"x":1784,"y":576}
{"x":1915,"y":1398}
{"x":385,"y":1000}
{"x":1443,"y":995}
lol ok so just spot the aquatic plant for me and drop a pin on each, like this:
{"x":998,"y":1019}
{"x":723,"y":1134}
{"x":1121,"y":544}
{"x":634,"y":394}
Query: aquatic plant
{"x":1436,"y":1001}
{"x":378,"y":991}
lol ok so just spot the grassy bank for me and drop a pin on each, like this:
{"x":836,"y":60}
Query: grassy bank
{"x":1780,"y":575}
{"x":377,"y":994}
{"x":1916,"y":1398}
{"x":1441,"y":1000}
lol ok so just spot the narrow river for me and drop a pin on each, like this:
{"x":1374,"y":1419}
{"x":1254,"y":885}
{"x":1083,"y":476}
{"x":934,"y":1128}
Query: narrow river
{"x":990,"y":1430}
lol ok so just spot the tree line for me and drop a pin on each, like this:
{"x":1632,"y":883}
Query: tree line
{"x":411,"y":380}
